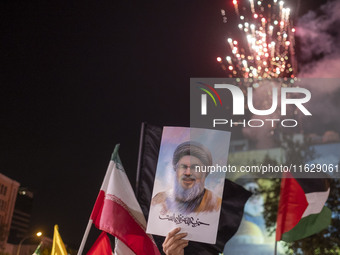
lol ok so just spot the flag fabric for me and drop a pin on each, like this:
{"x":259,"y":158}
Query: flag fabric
{"x":118,"y":213}
{"x":150,"y":143}
{"x":302,"y":211}
{"x":102,"y":246}
{"x":37,"y":250}
{"x":122,"y":249}
{"x":234,"y":196}
{"x":58,"y":247}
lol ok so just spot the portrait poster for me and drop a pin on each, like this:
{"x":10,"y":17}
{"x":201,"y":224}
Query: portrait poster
{"x":189,"y":183}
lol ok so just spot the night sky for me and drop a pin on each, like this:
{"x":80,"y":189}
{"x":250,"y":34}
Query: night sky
{"x":77,"y":77}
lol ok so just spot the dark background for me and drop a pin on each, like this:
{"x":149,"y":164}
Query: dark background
{"x":77,"y":77}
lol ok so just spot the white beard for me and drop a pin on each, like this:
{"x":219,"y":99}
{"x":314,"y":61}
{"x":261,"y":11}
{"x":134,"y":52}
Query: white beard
{"x":185,"y":200}
{"x":186,"y":195}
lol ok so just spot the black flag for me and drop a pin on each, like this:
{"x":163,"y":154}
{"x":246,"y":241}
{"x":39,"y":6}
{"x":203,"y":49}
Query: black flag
{"x":234,"y":196}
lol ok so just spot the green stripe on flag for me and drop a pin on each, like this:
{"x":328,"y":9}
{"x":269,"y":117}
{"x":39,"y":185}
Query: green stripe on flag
{"x":309,"y":225}
{"x":115,"y":157}
{"x":115,"y":152}
{"x":37,"y":250}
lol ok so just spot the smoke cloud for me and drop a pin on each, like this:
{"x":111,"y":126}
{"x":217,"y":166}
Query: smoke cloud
{"x":319,"y":34}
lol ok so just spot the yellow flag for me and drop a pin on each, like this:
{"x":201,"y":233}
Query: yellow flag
{"x":58,"y":247}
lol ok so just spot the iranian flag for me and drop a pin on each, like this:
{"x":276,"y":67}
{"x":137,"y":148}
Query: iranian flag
{"x":118,"y":213}
{"x":302,"y":211}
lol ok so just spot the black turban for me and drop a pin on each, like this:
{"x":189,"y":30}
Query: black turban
{"x":195,"y":149}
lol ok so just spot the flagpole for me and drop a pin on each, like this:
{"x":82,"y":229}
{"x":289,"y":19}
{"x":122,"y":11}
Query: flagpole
{"x":89,"y":224}
{"x":275,"y":249}
{"x":141,"y":140}
{"x":86,"y":234}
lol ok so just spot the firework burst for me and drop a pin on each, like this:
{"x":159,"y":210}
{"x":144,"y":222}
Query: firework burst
{"x":265,"y":48}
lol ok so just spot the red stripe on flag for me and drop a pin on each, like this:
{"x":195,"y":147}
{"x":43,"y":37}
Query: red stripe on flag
{"x":293,"y":203}
{"x":114,"y":217}
{"x":102,"y":246}
{"x":98,"y":207}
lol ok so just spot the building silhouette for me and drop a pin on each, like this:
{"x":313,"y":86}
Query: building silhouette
{"x":21,"y":216}
{"x":8,"y":194}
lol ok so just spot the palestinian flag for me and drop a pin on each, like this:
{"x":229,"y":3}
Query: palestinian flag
{"x":301,"y":209}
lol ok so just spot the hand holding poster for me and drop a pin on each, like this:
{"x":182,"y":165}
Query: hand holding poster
{"x":188,"y":185}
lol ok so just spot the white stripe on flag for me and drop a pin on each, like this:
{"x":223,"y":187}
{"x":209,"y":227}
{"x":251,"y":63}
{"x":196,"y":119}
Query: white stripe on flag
{"x":316,"y":201}
{"x":122,"y":249}
{"x":120,"y":187}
